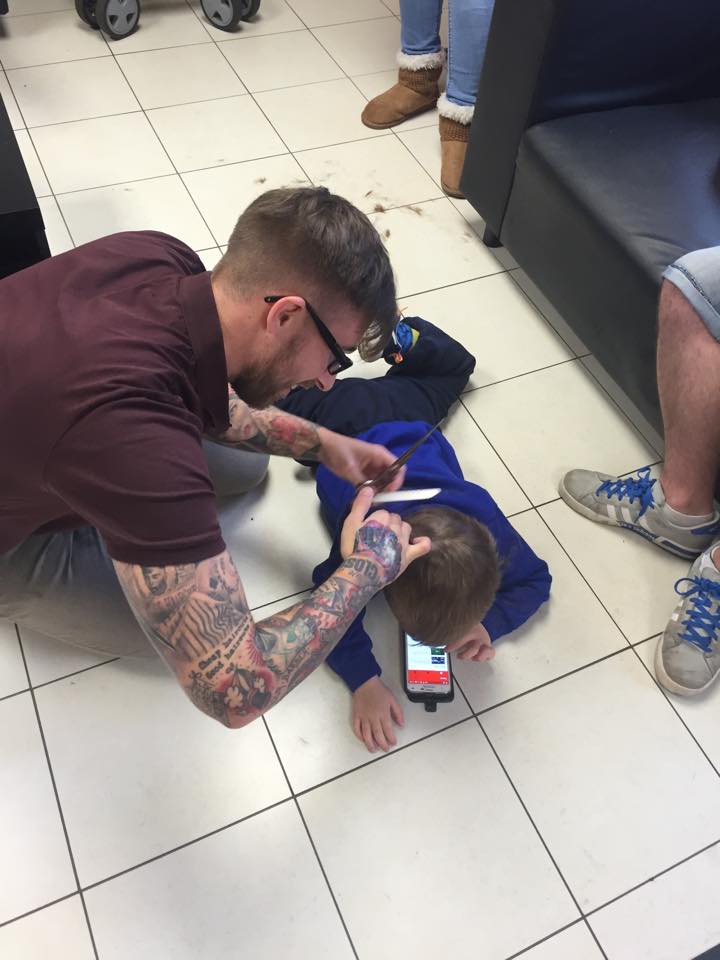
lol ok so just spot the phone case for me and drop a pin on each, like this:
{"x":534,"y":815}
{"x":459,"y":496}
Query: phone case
{"x":416,"y":696}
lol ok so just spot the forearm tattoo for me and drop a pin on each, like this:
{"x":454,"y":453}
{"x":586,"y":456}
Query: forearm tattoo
{"x":233,"y":669}
{"x":270,"y":431}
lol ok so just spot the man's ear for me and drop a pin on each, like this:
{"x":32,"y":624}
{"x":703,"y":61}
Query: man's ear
{"x":285,"y":312}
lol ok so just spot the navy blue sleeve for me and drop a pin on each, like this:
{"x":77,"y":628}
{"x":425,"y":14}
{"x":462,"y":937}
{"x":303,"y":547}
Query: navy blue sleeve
{"x":352,"y":659}
{"x":525,"y":581}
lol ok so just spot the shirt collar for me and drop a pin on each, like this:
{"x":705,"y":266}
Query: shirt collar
{"x":203,"y":324}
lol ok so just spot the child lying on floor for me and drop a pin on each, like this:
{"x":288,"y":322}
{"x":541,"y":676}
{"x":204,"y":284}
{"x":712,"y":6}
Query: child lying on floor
{"x":481,"y":580}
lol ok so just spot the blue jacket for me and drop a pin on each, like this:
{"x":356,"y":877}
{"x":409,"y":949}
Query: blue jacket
{"x":525,"y":583}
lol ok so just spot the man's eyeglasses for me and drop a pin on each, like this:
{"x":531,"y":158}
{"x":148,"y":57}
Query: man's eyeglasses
{"x":341,"y":360}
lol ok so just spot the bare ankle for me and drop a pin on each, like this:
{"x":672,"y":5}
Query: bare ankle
{"x":693,"y":502}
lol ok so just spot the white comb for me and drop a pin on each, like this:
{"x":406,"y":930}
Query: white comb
{"x":398,"y":496}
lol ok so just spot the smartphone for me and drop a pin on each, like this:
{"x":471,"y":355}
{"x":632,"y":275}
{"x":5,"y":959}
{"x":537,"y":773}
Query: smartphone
{"x":427,"y":672}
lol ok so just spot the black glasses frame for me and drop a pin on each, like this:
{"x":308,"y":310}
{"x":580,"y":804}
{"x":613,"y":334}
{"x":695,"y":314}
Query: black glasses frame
{"x":341,"y":360}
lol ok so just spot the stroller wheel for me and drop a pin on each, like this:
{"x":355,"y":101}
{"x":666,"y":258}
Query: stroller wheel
{"x":117,"y":18}
{"x":226,"y":14}
{"x":85,"y":9}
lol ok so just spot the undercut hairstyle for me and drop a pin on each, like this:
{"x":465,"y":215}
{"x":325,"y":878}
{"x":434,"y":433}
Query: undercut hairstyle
{"x":312,"y":243}
{"x":447,"y":592}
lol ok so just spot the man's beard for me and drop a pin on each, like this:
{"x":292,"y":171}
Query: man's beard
{"x":262,"y":386}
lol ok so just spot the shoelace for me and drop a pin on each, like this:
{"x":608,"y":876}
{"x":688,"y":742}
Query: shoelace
{"x":701,"y":625}
{"x":634,"y":488}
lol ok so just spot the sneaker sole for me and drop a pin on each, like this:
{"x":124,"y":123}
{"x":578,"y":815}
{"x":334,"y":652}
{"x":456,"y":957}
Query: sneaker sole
{"x":672,"y":686}
{"x":668,"y":545}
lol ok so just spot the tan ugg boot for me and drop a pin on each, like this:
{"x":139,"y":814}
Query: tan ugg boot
{"x":454,"y":135}
{"x":415,"y":92}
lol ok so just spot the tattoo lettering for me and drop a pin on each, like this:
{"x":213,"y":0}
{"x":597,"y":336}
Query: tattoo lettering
{"x":382,"y":543}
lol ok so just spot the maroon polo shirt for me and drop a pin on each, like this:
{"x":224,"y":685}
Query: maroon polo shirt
{"x":111,"y":368}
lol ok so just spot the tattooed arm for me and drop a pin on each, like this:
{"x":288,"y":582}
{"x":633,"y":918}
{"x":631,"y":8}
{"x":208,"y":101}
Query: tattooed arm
{"x":271,"y":431}
{"x":197,"y":618}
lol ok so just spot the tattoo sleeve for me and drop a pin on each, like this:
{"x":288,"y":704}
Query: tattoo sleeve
{"x":270,"y":431}
{"x":232,"y":668}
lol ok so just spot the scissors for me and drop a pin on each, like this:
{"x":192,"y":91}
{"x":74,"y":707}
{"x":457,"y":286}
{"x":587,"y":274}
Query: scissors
{"x":386,"y":476}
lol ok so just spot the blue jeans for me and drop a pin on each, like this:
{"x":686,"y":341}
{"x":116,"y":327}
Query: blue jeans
{"x":468,"y":28}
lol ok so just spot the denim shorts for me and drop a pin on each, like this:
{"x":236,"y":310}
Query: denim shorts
{"x":697,"y":276}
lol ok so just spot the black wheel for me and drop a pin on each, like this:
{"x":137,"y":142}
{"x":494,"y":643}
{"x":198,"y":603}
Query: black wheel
{"x":226,"y":14}
{"x":85,"y":9}
{"x":117,"y":18}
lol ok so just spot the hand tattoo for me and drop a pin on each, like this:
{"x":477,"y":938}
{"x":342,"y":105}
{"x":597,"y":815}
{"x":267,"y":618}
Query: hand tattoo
{"x":383,"y":544}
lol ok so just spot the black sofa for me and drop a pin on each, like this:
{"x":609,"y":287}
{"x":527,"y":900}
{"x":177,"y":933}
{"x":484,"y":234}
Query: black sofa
{"x":22,"y":231}
{"x":595,"y":160}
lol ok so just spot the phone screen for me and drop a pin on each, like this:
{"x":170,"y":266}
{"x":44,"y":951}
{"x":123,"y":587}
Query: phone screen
{"x":427,"y":666}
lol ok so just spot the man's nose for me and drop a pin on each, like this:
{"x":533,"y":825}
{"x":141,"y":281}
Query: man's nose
{"x":325,"y":380}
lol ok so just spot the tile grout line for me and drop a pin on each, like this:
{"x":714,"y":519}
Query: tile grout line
{"x":57,"y":801}
{"x":310,"y":839}
{"x":43,"y":906}
{"x":540,"y":836}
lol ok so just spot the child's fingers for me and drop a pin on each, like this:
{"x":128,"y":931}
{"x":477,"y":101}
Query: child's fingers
{"x":379,"y":736}
{"x":396,"y":713}
{"x":367,"y":735}
{"x":386,"y":723}
{"x":356,"y":728}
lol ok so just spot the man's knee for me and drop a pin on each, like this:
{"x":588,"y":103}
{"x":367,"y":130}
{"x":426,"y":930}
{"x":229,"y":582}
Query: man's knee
{"x":234,"y":471}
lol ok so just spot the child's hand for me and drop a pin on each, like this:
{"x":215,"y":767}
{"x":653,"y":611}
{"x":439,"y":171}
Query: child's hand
{"x":476,"y":645}
{"x":374,"y":709}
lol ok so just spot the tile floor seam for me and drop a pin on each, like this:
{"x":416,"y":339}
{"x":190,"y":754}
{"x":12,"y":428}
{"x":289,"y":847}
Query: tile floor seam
{"x":42,"y":906}
{"x":342,"y":23}
{"x":310,"y":839}
{"x":514,"y":376}
{"x":581,"y":921}
{"x":542,"y":313}
{"x":675,"y":710}
{"x":57,"y":800}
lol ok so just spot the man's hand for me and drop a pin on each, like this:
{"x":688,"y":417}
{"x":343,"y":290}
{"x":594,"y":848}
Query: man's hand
{"x":476,"y":645}
{"x":385,"y":535}
{"x":355,"y":460}
{"x":374,"y":708}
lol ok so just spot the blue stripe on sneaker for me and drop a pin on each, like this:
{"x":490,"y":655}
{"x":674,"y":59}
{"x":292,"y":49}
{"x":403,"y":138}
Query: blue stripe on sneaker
{"x":675,"y":548}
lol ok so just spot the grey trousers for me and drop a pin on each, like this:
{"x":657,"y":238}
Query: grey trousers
{"x":64,"y":584}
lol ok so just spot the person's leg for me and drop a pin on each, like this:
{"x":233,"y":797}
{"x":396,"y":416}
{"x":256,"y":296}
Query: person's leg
{"x":64,"y":584}
{"x":420,"y":63}
{"x":468,"y":29}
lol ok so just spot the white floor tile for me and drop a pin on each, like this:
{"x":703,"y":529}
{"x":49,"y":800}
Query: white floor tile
{"x":39,"y":6}
{"x":164,"y":78}
{"x":49,"y":659}
{"x":701,"y":714}
{"x":285,"y":509}
{"x":136,"y":783}
{"x":375,"y":175}
{"x":436,"y":813}
{"x":365,"y":47}
{"x":71,"y":91}
{"x":626,"y":405}
{"x":668,"y":919}
{"x":633,"y":579}
{"x":274,"y":16}
{"x":320,"y":13}
{"x":56,"y":232}
{"x":480,"y":464}
{"x":318,"y":114}
{"x":536,"y":296}
{"x":163,"y":23}
{"x":210,"y":257}
{"x":571,"y":630}
{"x":553,"y":420}
{"x":10,"y":104}
{"x":36,"y":864}
{"x":48,"y":38}
{"x":496,"y":323}
{"x":33,"y":166}
{"x":12,"y":670}
{"x":222,"y":193}
{"x":393,"y":6}
{"x":221,"y":897}
{"x":424,"y":144}
{"x":575,"y":943}
{"x":215,"y":132}
{"x":96,"y":153}
{"x":430,"y":246}
{"x":59,"y":931}
{"x":373,"y":84}
{"x":280,"y":60}
{"x":595,"y":757}
{"x":311,"y":727}
{"x":159,"y":204}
